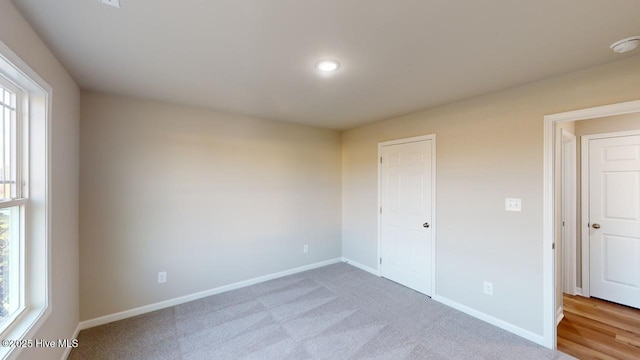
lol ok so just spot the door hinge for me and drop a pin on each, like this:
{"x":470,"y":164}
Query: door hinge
{"x":380,"y":261}
{"x":380,"y":209}
{"x":380,"y":159}
{"x":563,"y":223}
{"x":553,"y":246}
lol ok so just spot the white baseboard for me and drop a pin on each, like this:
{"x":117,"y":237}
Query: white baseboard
{"x":199,"y":295}
{"x":538,"y":339}
{"x":559,"y":315}
{"x":579,"y":291}
{"x":361,"y":267}
{"x":67,"y":351}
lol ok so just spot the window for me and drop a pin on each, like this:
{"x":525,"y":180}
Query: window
{"x":25,"y":205}
{"x":12,"y":205}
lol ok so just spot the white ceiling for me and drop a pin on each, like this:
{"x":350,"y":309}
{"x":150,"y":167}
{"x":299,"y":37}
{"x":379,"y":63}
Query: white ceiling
{"x":256,"y":57}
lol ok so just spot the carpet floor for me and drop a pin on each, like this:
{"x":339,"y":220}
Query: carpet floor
{"x":334,"y":312}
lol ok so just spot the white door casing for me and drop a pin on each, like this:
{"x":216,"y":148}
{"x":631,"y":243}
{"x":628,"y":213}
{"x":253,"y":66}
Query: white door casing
{"x":614,"y":219}
{"x":407,"y":179}
{"x":569,"y":209}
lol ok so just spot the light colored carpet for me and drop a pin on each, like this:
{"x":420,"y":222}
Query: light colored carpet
{"x":334,"y":312}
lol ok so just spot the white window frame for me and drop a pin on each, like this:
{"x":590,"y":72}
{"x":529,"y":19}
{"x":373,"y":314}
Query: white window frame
{"x":21,"y":200}
{"x":36,"y":183}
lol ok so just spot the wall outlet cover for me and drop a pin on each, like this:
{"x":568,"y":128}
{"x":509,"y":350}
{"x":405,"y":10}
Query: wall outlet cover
{"x":488,"y":288}
{"x":513,"y":204}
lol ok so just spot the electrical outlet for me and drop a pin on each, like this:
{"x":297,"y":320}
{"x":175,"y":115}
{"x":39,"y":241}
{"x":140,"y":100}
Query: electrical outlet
{"x":305,"y":249}
{"x":488,"y":288}
{"x":511,"y":204}
{"x":162,"y":277}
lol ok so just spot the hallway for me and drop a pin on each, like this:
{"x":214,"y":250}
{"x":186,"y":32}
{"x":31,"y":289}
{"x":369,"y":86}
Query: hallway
{"x":598,"y":329}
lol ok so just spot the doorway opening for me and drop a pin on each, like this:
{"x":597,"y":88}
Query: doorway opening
{"x":569,"y":248}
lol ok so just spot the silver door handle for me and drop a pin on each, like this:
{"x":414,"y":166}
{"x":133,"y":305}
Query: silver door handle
{"x":596,"y":226}
{"x":425,"y":225}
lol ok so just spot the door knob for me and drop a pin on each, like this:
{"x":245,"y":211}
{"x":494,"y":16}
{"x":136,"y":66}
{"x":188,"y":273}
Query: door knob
{"x":596,"y":226}
{"x":425,"y":225}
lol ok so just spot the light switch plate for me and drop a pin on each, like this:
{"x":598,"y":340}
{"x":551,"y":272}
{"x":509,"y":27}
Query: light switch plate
{"x":512,"y":204}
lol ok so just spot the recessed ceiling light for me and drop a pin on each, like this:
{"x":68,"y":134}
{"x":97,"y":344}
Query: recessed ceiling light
{"x":624,"y":45}
{"x":327,"y":65}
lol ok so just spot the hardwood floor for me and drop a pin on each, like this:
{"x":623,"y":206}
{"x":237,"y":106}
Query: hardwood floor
{"x":598,"y":329}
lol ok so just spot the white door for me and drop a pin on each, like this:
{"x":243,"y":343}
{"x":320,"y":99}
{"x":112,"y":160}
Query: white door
{"x":406,"y":214}
{"x":614,"y":219}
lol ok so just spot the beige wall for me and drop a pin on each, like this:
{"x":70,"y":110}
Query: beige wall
{"x":18,"y":35}
{"x":488,"y":148}
{"x":608,"y":124}
{"x":211,"y":198}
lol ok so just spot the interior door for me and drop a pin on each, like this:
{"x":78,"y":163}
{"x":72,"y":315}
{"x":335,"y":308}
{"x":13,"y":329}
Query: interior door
{"x":406,"y":215}
{"x":614,"y":219}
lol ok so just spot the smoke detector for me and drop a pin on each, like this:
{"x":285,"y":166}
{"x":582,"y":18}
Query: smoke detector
{"x":625,"y":45}
{"x":114,"y":3}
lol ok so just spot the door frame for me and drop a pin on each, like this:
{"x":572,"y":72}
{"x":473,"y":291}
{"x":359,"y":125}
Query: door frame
{"x":431,"y":137}
{"x":586,"y":198}
{"x":569,"y":210}
{"x":548,"y":211}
